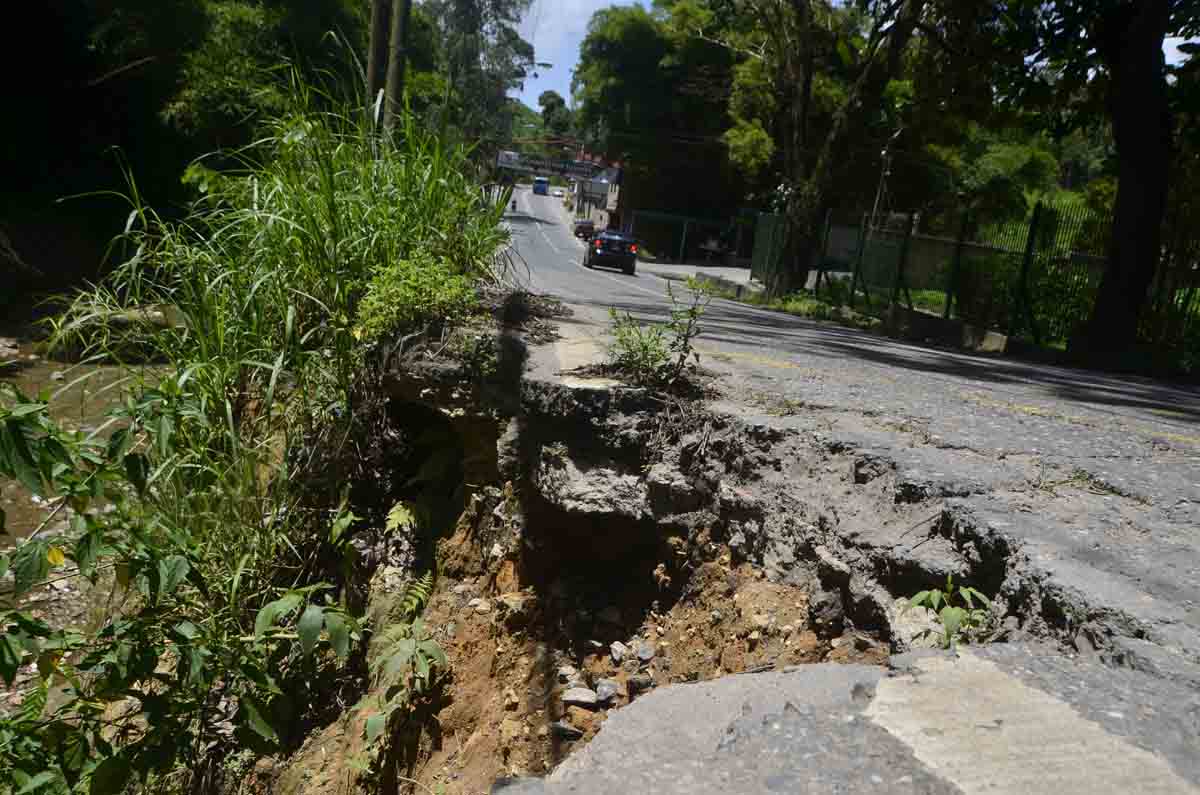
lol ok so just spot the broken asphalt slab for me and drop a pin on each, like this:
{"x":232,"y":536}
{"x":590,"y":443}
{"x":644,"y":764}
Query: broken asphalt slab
{"x":1086,"y":519}
{"x":1002,"y":719}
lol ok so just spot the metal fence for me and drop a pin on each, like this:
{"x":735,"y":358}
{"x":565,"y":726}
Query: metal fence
{"x":1034,"y":279}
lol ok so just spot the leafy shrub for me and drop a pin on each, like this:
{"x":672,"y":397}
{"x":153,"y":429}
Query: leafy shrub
{"x":658,"y":355}
{"x":637,"y":350}
{"x":411,"y":292}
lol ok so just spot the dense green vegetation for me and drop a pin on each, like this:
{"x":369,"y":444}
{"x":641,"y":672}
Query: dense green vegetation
{"x":979,"y":106}
{"x":148,"y":86}
{"x":222,"y":506}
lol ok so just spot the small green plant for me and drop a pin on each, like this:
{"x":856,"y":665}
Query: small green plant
{"x":407,"y":664}
{"x":656,"y":355}
{"x":963,"y":612}
{"x":416,"y":596}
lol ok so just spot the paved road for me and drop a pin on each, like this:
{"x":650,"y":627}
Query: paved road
{"x":1096,"y":478}
{"x":1006,"y":720}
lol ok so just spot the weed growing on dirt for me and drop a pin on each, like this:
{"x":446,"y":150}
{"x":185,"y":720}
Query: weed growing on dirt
{"x":658,"y":356}
{"x":957,"y":613}
{"x":222,"y":502}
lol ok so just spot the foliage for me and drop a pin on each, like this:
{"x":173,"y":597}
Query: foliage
{"x":416,"y":596}
{"x":226,"y":83}
{"x":187,"y":641}
{"x":402,"y":294}
{"x":556,"y":116}
{"x":638,"y":350}
{"x":956,"y":611}
{"x":220,"y":503}
{"x":406,"y":664}
{"x":484,"y":58}
{"x":998,"y":175}
{"x":655,"y":355}
{"x":750,"y":146}
{"x":656,"y":102}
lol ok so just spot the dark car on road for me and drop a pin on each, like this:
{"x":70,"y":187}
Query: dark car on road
{"x":612,"y":249}
{"x":584,"y":229}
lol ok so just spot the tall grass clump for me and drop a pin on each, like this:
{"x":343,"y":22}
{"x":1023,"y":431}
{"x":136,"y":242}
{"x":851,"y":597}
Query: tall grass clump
{"x":218,"y":502}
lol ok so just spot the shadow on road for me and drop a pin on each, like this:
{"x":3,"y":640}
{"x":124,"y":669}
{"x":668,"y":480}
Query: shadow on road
{"x":528,"y":218}
{"x":736,"y":324}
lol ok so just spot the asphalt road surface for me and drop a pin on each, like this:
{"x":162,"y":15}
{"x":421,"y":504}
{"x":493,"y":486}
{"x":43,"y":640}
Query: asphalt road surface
{"x":1096,"y":476}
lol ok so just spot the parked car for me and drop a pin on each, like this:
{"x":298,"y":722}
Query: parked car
{"x":558,"y":193}
{"x":612,"y":249}
{"x":585,"y":229}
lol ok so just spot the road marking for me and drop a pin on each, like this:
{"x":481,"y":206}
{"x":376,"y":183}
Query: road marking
{"x":986,"y":731}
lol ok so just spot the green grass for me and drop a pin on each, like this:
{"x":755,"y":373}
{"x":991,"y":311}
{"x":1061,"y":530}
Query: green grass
{"x":246,"y":449}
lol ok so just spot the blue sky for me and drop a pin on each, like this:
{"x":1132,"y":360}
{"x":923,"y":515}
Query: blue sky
{"x":556,"y":28}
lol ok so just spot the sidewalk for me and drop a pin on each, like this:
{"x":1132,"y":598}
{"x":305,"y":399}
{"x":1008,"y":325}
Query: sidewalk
{"x":737,"y":279}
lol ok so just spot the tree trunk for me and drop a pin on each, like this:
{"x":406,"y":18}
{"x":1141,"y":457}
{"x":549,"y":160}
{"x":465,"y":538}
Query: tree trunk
{"x":398,"y":46}
{"x":1131,"y":40}
{"x":377,"y":58}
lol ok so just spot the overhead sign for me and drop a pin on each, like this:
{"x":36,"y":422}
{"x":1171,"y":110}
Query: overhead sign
{"x":536,"y":164}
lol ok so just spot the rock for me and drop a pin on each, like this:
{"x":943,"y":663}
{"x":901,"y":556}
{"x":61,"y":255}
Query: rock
{"x":607,"y":690}
{"x":567,"y":673}
{"x":610,"y":615}
{"x":462,"y":589}
{"x":511,"y":701}
{"x":828,"y":613}
{"x":1152,"y":659}
{"x":639,"y":684}
{"x":619,"y":651}
{"x":58,"y":375}
{"x":451,"y":628}
{"x":497,"y":551}
{"x":760,"y":620}
{"x":645,"y":652}
{"x":474,"y":602}
{"x":482,"y":606}
{"x":913,"y":627}
{"x":581,"y":718}
{"x":565,"y":731}
{"x":514,"y":608}
{"x":510,"y":732}
{"x":670,"y":492}
{"x":579,"y":697}
{"x":754,"y":638}
{"x":716,"y":616}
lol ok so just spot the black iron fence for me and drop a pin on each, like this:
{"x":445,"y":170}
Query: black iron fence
{"x":1034,"y":279}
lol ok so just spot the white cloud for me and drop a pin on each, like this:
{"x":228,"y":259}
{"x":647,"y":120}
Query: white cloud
{"x":556,"y":28}
{"x":1171,"y":49}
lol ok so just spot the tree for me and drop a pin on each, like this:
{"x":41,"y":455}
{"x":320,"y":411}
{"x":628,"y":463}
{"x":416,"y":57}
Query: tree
{"x":484,"y":59}
{"x":1110,"y":53}
{"x":798,"y":43}
{"x":556,"y":116}
{"x":377,"y":56}
{"x":397,"y":60}
{"x":656,"y":102}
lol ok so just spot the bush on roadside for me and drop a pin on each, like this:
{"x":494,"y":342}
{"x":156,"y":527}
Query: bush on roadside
{"x":659,"y":356}
{"x":224,"y":506}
